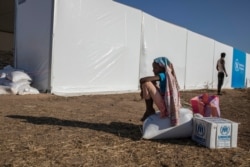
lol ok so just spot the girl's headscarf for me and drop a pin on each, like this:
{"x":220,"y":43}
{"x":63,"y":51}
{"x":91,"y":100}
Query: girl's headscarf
{"x":172,"y":95}
{"x":162,"y":61}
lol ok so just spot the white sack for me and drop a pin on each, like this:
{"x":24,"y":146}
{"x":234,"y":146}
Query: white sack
{"x":155,"y":127}
{"x":16,"y":76}
{"x":4,"y":90}
{"x":14,"y":81}
{"x":19,"y":85}
{"x":27,"y":90}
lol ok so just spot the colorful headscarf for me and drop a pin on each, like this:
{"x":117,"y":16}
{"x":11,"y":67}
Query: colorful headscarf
{"x":162,"y":61}
{"x":172,"y":94}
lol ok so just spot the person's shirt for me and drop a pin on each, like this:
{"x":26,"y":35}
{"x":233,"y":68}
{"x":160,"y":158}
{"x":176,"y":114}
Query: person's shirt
{"x":220,"y":65}
{"x":162,"y":82}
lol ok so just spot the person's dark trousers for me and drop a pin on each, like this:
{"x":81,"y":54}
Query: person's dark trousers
{"x":220,"y":81}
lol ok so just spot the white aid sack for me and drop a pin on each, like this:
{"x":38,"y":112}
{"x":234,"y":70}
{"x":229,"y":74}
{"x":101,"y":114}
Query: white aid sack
{"x":16,"y":76}
{"x":4,"y":90}
{"x":27,"y":90}
{"x":155,"y":127}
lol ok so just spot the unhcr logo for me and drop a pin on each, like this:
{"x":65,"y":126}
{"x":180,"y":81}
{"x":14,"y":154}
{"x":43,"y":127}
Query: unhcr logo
{"x":238,"y":66}
{"x":225,"y":130}
{"x":200,"y":129}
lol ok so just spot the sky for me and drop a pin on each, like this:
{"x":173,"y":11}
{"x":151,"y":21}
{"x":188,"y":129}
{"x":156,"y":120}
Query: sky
{"x":226,"y":21}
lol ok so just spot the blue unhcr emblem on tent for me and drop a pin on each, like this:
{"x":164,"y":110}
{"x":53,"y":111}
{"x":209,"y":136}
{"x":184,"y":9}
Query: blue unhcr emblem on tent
{"x":238,"y":66}
{"x":238,"y":69}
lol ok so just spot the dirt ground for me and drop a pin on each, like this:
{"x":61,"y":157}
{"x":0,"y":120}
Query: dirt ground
{"x":104,"y":130}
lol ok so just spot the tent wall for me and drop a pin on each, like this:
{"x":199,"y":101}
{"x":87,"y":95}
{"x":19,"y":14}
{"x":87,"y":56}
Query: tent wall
{"x":194,"y":56}
{"x":101,"y":46}
{"x":162,"y":39}
{"x":96,"y":47}
{"x":33,"y":40}
{"x":199,"y":62}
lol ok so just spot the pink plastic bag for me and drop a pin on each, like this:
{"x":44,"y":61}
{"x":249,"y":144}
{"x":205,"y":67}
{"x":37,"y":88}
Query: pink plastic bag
{"x":207,"y":106}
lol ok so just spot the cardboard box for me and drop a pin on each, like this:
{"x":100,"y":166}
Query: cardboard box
{"x":215,"y":132}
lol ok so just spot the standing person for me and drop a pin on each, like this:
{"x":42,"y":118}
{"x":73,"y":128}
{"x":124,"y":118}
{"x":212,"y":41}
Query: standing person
{"x":221,"y":72}
{"x":161,"y":89}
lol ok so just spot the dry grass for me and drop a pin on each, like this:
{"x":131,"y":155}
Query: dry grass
{"x":104,"y":130}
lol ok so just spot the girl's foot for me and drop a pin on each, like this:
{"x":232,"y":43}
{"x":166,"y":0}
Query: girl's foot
{"x":147,"y":114}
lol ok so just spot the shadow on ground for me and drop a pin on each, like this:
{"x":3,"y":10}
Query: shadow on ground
{"x":121,"y":129}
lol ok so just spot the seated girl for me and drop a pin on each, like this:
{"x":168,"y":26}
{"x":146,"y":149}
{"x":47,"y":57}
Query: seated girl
{"x":161,"y":89}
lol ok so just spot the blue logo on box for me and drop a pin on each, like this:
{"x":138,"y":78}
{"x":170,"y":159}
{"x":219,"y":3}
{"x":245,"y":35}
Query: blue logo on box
{"x":225,"y":130}
{"x":200,"y":129}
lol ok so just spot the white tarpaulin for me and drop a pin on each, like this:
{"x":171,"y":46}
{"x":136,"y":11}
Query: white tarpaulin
{"x":96,"y":47}
{"x":33,"y":40}
{"x":74,"y":47}
{"x":199,"y":62}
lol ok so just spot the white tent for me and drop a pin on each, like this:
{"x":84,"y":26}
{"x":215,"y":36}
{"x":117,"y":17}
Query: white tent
{"x":74,"y":47}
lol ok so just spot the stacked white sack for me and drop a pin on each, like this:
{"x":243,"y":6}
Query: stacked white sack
{"x":13,"y":81}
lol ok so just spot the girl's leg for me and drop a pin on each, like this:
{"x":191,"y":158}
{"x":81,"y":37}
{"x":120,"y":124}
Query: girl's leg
{"x":149,"y":109}
{"x":150,"y":91}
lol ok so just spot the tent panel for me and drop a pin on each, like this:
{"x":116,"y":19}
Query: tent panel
{"x":96,"y":47}
{"x":163,"y":39}
{"x":199,"y":64}
{"x":33,"y":40}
